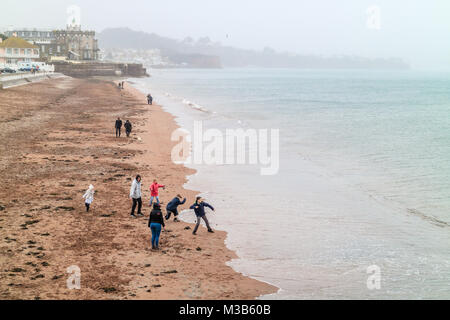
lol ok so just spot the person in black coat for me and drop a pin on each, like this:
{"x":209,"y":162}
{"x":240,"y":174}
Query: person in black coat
{"x":155,"y":223}
{"x":149,"y":99}
{"x":172,"y":207}
{"x":118,"y":127}
{"x":128,"y":127}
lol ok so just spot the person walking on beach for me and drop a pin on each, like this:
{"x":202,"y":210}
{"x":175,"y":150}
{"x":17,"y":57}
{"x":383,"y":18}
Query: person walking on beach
{"x":149,"y":99}
{"x":155,"y":222}
{"x":199,"y":209}
{"x":136,"y":196}
{"x":118,"y":127}
{"x":154,"y":193}
{"x":88,"y":197}
{"x":123,"y":84}
{"x":128,"y":127}
{"x":172,"y":207}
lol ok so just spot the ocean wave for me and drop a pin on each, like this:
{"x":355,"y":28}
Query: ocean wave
{"x":195,"y":106}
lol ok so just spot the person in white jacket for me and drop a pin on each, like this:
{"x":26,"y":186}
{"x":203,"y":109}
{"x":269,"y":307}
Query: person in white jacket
{"x":136,"y":196}
{"x":88,"y":197}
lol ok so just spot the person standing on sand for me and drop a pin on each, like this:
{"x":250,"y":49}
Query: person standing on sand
{"x":136,"y":196}
{"x":149,"y":99}
{"x":199,"y":209}
{"x":155,"y":222}
{"x":172,"y":207}
{"x":123,"y":84}
{"x":88,"y":197}
{"x":154,"y":193}
{"x":128,"y":127}
{"x":118,"y":127}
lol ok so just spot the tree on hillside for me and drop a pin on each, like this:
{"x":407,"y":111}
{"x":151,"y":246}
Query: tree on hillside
{"x":3,"y":37}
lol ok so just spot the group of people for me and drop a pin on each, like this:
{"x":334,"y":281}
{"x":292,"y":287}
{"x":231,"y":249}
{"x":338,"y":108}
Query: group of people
{"x":156,"y":220}
{"x":128,"y":126}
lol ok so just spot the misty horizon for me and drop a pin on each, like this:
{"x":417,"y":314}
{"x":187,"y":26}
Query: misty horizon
{"x":411,"y":31}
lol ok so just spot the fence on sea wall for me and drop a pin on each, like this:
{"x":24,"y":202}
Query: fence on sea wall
{"x":18,"y":79}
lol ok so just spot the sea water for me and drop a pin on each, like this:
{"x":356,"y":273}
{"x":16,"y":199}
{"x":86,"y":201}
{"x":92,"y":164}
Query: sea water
{"x":360,"y":207}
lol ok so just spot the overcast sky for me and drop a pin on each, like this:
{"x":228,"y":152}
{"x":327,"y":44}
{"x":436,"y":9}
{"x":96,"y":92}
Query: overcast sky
{"x":416,"y":30}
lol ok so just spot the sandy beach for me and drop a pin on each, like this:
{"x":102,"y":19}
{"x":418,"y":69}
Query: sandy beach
{"x":57,"y":138}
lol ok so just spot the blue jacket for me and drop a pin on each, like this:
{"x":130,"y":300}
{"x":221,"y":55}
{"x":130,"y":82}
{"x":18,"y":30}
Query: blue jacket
{"x":173,"y":205}
{"x":199,"y":208}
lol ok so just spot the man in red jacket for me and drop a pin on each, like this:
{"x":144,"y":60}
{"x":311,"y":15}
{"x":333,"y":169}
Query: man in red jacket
{"x":154,"y":191}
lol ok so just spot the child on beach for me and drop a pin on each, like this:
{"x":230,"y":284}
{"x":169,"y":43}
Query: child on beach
{"x":149,"y":99}
{"x":172,"y":207}
{"x":88,"y":197}
{"x":155,"y":222}
{"x":199,"y":209}
{"x":154,"y":193}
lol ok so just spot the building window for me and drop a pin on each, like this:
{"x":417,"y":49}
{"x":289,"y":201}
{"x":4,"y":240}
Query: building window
{"x":58,"y":49}
{"x":8,"y":50}
{"x":50,"y":50}
{"x":16,"y":51}
{"x":43,"y":48}
{"x":36,"y":52}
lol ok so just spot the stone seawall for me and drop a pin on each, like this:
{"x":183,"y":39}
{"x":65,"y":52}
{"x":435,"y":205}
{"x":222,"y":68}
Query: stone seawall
{"x":92,"y":69}
{"x":14,"y":80}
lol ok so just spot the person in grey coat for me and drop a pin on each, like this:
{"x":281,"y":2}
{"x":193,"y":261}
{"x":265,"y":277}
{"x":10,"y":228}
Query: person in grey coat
{"x":136,"y":196}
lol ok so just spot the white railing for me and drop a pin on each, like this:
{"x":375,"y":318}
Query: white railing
{"x":24,"y":75}
{"x":19,"y":56}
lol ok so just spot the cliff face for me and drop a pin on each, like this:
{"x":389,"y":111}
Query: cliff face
{"x":196,"y":60}
{"x":84,"y":70}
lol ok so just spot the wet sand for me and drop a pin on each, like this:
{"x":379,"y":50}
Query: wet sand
{"x":57,"y":138}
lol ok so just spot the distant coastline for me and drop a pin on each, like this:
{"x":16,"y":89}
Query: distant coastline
{"x":161,"y":52}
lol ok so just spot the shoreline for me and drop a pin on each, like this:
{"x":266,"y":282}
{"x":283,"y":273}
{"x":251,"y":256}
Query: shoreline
{"x":65,"y":140}
{"x":189,"y":172}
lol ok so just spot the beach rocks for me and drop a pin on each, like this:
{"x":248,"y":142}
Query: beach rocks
{"x":65,"y":208}
{"x":109,"y":290}
{"x":170,"y":271}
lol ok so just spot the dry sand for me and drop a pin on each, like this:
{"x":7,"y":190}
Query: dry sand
{"x":57,"y":137}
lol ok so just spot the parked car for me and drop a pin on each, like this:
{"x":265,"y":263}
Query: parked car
{"x":7,"y":70}
{"x":25,"y":69}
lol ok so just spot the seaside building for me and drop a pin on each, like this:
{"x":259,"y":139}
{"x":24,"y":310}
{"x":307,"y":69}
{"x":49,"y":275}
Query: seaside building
{"x":71,"y":43}
{"x":14,"y":50}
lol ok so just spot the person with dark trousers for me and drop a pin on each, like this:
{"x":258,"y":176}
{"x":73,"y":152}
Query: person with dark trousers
{"x":128,"y":127}
{"x":172,"y":207}
{"x":149,"y":99}
{"x":155,"y":222}
{"x":136,"y":196}
{"x":199,"y":209}
{"x":118,"y":127}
